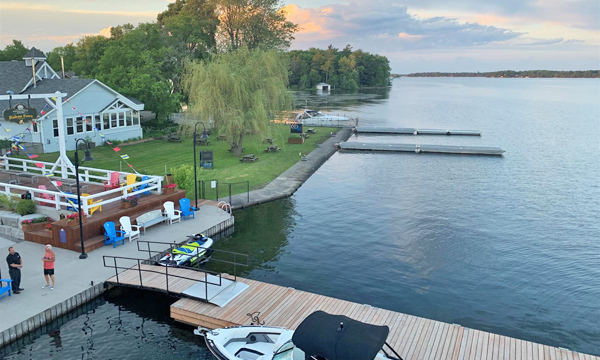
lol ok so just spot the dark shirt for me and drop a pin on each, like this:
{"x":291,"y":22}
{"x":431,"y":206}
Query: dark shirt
{"x":13,"y":259}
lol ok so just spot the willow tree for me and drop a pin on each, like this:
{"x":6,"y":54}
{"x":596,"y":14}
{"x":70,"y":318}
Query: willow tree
{"x":238,"y":91}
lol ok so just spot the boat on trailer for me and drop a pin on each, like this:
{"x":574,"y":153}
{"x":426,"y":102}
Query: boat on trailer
{"x":314,"y":118}
{"x":321,"y":336}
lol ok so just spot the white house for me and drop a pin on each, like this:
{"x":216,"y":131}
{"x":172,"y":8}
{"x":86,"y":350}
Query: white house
{"x":89,"y":105}
{"x":323,"y":86}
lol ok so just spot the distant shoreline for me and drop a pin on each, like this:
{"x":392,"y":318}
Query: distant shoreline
{"x":548,"y":74}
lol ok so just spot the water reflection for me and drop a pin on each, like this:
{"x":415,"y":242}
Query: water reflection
{"x":339,"y":99}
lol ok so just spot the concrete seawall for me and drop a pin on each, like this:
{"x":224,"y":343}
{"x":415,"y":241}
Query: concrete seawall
{"x":287,"y":183}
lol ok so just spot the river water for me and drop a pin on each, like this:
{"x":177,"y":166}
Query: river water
{"x":503,"y":244}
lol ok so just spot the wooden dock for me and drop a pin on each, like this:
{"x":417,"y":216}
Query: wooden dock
{"x":413,"y":131}
{"x":413,"y":337}
{"x":416,"y":148}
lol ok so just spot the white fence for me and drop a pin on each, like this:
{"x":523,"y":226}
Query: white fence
{"x":87,"y":176}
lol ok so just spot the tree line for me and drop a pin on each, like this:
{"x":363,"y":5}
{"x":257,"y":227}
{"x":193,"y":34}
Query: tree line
{"x":513,"y":74}
{"x":345,"y":69}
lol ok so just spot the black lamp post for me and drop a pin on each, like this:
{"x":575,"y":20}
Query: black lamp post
{"x":203,"y":137}
{"x":88,"y":157}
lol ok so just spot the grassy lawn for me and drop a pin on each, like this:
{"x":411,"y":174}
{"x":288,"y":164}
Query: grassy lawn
{"x":151,"y":157}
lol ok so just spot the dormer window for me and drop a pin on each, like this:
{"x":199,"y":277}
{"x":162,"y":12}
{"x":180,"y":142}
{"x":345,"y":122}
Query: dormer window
{"x":28,"y":62}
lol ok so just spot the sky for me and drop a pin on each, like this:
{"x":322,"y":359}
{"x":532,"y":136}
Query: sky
{"x":415,"y":35}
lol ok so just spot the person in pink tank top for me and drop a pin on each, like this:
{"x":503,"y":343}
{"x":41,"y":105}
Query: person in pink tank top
{"x":48,"y":259}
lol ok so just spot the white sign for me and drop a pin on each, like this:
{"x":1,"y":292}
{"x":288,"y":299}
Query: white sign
{"x":213,"y":184}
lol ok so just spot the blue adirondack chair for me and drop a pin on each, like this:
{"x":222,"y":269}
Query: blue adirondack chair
{"x":5,"y":290}
{"x":112,"y":235}
{"x":73,"y":200}
{"x":186,"y":209}
{"x":143,"y":186}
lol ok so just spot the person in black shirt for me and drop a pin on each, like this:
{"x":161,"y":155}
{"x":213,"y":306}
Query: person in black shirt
{"x":15,"y":263}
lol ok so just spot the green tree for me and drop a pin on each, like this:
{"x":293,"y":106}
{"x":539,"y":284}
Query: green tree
{"x":348,"y":73}
{"x":14,"y":51}
{"x":254,"y":24}
{"x":89,"y":52}
{"x":192,"y":25}
{"x":69,"y":54}
{"x":238,"y":91}
{"x":137,"y":62}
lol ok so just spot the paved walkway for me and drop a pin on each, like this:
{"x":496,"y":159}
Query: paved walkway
{"x":74,"y":275}
{"x":287,"y":183}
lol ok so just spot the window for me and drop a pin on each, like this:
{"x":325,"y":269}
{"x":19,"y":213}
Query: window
{"x":89,"y":123}
{"x":55,"y":127}
{"x":113,"y":120}
{"x":121,"y":118}
{"x":70,"y":126}
{"x":136,"y":120}
{"x":79,"y":122}
{"x":128,"y":118}
{"x":106,"y":119}
{"x":97,"y":122}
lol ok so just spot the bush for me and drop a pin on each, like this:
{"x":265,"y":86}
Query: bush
{"x":9,"y":203}
{"x":26,"y":207}
{"x":183,"y":176}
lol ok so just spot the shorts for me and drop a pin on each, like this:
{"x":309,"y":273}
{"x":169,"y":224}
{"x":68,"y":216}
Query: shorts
{"x":48,"y":271}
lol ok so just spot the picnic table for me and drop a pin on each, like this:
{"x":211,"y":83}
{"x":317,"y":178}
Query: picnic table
{"x":231,"y":149}
{"x":174,"y":138}
{"x":249,"y":158}
{"x":310,"y":131}
{"x":202,"y":142}
{"x":304,"y":136}
{"x":73,"y":184}
{"x":18,"y":176}
{"x":221,"y":137}
{"x":272,"y":148}
{"x":268,"y":141}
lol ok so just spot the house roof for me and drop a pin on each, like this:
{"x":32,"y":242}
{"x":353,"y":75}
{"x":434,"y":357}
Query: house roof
{"x":134,"y":100}
{"x":14,"y":75}
{"x":48,"y":86}
{"x":34,"y":53}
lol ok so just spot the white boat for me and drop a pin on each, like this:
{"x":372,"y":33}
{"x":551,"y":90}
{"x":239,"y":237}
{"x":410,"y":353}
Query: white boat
{"x":315,"y":118}
{"x":320,"y":336}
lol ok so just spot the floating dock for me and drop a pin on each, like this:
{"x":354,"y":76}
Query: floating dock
{"x":413,"y":131}
{"x":413,"y":337}
{"x":415,"y":148}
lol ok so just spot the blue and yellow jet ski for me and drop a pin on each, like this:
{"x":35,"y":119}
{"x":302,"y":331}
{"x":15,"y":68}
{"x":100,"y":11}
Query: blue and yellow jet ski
{"x":195,"y":251}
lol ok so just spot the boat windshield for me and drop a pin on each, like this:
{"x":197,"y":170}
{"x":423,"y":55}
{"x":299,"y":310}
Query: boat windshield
{"x":289,"y":351}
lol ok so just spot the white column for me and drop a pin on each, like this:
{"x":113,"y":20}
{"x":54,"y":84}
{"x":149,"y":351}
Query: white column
{"x":62,"y":161}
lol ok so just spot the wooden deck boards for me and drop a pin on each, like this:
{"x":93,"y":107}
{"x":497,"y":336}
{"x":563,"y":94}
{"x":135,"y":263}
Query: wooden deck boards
{"x":413,"y":337}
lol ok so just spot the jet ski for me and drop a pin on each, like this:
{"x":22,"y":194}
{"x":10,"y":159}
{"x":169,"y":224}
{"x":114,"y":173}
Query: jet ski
{"x":196,"y":250}
{"x":321,"y":336}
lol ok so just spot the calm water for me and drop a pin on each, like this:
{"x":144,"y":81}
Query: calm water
{"x":509,"y":245}
{"x":122,"y":324}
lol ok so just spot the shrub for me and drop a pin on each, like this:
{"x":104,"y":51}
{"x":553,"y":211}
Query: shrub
{"x":184,"y":177}
{"x":37,"y":220}
{"x":9,"y":203}
{"x":26,"y":207}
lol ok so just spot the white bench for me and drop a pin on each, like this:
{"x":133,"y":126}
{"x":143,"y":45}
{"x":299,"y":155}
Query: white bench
{"x":150,"y":218}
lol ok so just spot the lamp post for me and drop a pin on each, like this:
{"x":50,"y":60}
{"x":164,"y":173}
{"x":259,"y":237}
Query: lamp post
{"x":203,"y":137}
{"x":88,"y":157}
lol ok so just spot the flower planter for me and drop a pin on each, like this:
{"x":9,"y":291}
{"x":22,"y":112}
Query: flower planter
{"x":126,"y":205}
{"x":167,"y":191}
{"x":34,"y":226}
{"x":76,"y":222}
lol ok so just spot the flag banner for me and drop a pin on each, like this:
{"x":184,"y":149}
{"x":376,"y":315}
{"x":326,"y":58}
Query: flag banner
{"x":32,"y":156}
{"x":125,"y":157}
{"x":117,"y":149}
{"x":40,"y":165}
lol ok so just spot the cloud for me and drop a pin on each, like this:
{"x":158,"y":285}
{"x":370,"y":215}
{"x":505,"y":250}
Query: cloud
{"x":380,"y":23}
{"x":544,"y":42}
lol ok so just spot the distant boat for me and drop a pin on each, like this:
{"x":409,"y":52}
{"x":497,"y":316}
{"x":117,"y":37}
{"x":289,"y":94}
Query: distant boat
{"x":313,"y":117}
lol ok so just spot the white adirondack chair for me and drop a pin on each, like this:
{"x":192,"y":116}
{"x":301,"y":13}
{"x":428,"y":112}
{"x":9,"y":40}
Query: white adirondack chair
{"x":170,"y":212}
{"x":132,"y":231}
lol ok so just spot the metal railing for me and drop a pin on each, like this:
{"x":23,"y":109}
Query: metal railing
{"x":90,"y":175}
{"x":155,"y":255}
{"x":141,"y":270}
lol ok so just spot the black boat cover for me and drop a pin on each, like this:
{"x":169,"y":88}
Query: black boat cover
{"x":320,"y":334}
